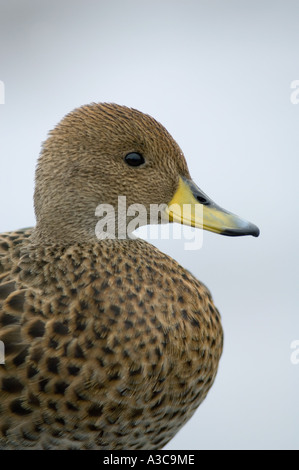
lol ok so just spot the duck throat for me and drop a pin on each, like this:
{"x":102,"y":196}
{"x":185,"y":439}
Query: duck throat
{"x":106,"y":221}
{"x":120,"y":221}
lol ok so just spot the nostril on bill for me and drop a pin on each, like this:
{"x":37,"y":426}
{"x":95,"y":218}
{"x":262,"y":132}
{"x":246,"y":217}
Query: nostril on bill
{"x":202,"y":200}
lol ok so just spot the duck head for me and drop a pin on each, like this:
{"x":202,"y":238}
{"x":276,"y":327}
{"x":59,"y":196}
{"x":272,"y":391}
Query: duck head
{"x":100,"y":152}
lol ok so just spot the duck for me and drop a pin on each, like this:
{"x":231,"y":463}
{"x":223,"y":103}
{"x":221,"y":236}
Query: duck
{"x":109,"y":343}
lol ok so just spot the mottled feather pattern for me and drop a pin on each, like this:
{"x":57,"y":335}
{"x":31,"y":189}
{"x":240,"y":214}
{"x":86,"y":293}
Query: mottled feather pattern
{"x":110,"y":346}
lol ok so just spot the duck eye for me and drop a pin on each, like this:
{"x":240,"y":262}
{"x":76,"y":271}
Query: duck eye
{"x":134,"y":159}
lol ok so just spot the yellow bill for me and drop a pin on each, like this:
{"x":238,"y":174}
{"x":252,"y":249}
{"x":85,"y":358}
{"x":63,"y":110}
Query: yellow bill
{"x":190,"y":206}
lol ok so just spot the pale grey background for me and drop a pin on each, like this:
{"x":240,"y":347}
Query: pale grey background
{"x":217,"y":74}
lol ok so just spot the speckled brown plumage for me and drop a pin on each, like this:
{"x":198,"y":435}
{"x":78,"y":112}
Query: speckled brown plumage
{"x":110,"y":344}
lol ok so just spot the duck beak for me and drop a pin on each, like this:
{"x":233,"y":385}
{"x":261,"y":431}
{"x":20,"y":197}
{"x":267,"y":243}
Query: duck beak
{"x":190,"y":206}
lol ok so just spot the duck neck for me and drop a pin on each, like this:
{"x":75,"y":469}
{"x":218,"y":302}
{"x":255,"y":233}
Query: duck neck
{"x":65,"y":231}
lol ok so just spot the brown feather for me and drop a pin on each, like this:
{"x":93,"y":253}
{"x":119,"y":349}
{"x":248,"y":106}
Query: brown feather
{"x":108,"y":344}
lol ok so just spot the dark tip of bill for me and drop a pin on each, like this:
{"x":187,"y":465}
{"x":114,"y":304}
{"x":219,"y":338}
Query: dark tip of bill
{"x":251,"y":230}
{"x":256,"y":232}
